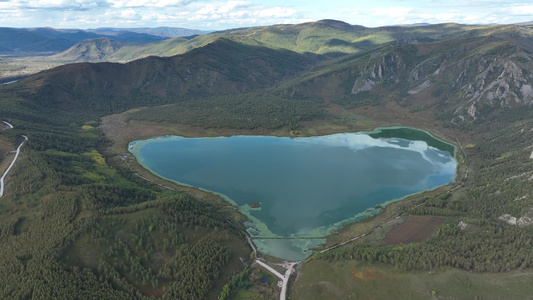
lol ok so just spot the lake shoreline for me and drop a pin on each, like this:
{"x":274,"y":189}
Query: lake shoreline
{"x":325,"y":232}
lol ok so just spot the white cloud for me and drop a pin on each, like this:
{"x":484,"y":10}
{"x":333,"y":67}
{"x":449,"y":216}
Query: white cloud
{"x":240,"y":13}
{"x":277,"y":12}
{"x":27,"y":6}
{"x":128,"y":13}
{"x":446,"y":17}
{"x":87,"y":4}
{"x":148,"y":3}
{"x":393,"y":12}
{"x":223,"y":8}
{"x":522,"y":10}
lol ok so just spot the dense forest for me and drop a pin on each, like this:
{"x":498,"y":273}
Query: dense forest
{"x":243,"y":111}
{"x":71,"y":225}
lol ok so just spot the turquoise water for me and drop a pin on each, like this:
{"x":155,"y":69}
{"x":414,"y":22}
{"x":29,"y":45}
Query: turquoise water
{"x":306,"y":187}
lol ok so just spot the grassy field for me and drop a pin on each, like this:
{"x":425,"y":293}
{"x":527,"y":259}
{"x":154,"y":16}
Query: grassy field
{"x":353,"y":280}
{"x":12,"y":68}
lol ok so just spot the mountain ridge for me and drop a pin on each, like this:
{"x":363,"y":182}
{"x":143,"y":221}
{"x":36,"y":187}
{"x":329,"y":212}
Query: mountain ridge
{"x":46,"y":40}
{"x":162,"y":31}
{"x":335,"y":38}
{"x":89,"y":50}
{"x":414,"y":65}
{"x":221,"y":66}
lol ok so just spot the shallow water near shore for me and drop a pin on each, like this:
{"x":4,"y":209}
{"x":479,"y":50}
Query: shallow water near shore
{"x":296,"y":190}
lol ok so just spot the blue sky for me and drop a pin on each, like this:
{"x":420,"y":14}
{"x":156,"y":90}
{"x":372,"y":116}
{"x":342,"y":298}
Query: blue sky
{"x":224,"y":14}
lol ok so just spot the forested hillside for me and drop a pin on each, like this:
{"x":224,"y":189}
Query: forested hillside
{"x":74,"y":225}
{"x":78,"y":221}
{"x":221,"y":67}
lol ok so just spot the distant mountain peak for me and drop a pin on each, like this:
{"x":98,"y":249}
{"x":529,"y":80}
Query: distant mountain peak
{"x":162,"y":31}
{"x":90,"y":50}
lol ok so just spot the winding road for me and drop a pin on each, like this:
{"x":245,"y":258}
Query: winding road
{"x":12,"y":163}
{"x":11,"y":126}
{"x":285,"y":280}
{"x":269,"y":268}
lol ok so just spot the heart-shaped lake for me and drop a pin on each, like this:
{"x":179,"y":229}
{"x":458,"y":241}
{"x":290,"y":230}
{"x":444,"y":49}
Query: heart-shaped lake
{"x":304,"y":186}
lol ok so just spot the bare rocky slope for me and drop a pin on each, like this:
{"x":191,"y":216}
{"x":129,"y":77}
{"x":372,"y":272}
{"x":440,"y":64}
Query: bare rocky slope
{"x":461,"y":78}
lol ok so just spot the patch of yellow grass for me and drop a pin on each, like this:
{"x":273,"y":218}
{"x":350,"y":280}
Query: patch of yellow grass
{"x":97,"y":157}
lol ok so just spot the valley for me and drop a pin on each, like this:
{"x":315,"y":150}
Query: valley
{"x":81,"y":218}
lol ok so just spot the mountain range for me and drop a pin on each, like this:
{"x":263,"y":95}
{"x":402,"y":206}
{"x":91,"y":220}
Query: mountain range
{"x":39,"y":41}
{"x":327,"y":37}
{"x":465,"y":70}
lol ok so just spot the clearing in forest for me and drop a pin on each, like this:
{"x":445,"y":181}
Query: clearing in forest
{"x":415,"y":229}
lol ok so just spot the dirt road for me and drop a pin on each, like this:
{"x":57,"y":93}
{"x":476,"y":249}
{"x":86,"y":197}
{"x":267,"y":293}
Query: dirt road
{"x":10,"y":166}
